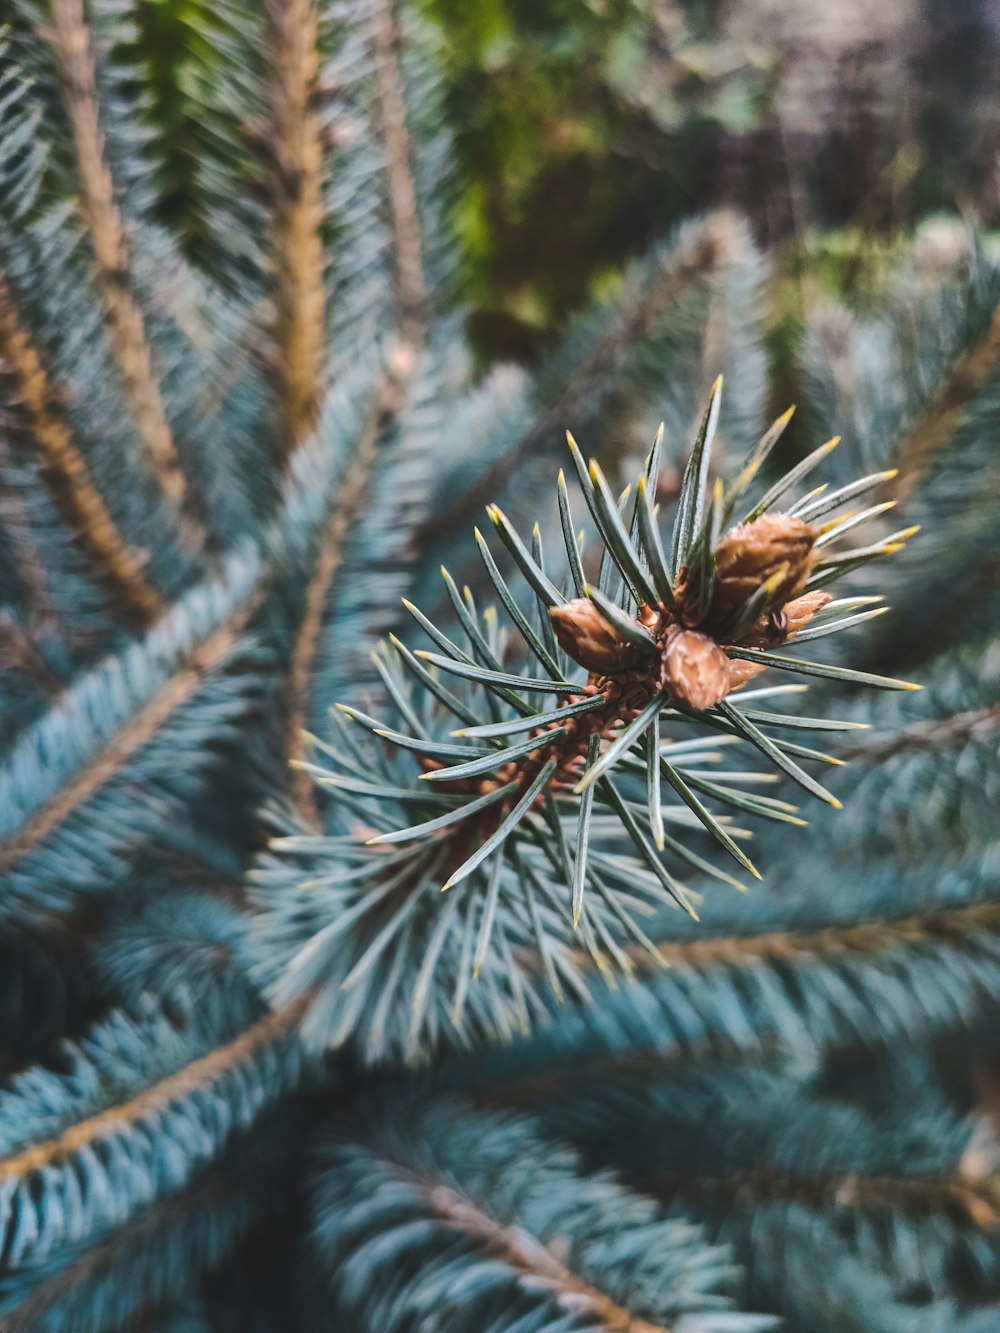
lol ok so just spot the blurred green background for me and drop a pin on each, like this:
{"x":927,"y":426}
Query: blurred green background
{"x":586,"y":128}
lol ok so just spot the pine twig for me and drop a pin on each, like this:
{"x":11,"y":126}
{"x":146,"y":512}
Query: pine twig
{"x":126,"y":325}
{"x":199,"y":1074}
{"x":178,"y":1210}
{"x":349,"y":504}
{"x":64,"y":468}
{"x":954,"y":925}
{"x":28,"y":562}
{"x":534,"y":1261}
{"x":946,"y":411}
{"x":202,"y":659}
{"x":973,"y":725}
{"x":296,"y":145}
{"x":971,"y":1203}
{"x":412,"y":290}
{"x":389,"y":398}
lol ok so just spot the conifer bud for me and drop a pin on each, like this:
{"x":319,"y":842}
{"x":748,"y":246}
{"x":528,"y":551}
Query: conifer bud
{"x":796,"y":616}
{"x":695,"y":668}
{"x":588,"y":638}
{"x":748,"y":555}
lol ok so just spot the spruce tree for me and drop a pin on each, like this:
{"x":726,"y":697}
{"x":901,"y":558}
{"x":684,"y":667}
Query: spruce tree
{"x":443,"y":886}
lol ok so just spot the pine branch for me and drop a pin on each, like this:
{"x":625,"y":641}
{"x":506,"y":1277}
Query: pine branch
{"x":954,"y":928}
{"x":816,"y":1278}
{"x":484,"y":822}
{"x":171,"y":691}
{"x":379,"y":565}
{"x":751,"y":994}
{"x":136,"y":1266}
{"x":969,"y":726}
{"x":388,"y":400}
{"x":199,"y":1074}
{"x":932,"y":794}
{"x":237,"y":1078}
{"x":534,"y":1261}
{"x":921,"y":379}
{"x":966,"y":1192}
{"x":70,"y":41}
{"x":349,"y":504}
{"x":475,"y":1217}
{"x":141,"y":727}
{"x":390,"y":182}
{"x":942,"y":416}
{"x":412,"y":291}
{"x":763,"y":990}
{"x":65,"y":469}
{"x":181,"y":939}
{"x":295,"y":142}
{"x":804,"y":1165}
{"x":131,"y":785}
{"x":775,"y":989}
{"x":969,"y":1203}
{"x":785,"y":986}
{"x":28,"y":565}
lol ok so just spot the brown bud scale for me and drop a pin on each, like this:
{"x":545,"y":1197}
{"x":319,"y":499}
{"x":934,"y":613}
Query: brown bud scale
{"x":586,"y":636}
{"x":750,"y":554}
{"x":695,"y":669}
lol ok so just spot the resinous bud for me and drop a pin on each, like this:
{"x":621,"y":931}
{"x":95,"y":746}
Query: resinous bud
{"x":695,"y":668}
{"x":750,"y":554}
{"x":583,"y":632}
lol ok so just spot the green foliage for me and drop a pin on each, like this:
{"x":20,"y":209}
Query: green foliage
{"x":580,"y":124}
{"x":240,"y":421}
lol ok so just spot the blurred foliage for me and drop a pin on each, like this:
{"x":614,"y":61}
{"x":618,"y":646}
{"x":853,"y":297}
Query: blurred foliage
{"x":583,"y":130}
{"x":172,"y":39}
{"x":587,"y":128}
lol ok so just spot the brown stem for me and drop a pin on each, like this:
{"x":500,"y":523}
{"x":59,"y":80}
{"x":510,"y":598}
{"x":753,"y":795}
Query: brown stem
{"x":975,"y":1204}
{"x":349,"y":503}
{"x":532,"y":1259}
{"x":569,"y":751}
{"x":974,"y":725}
{"x":389,"y":397}
{"x":126,"y":325}
{"x":296,"y":145}
{"x":953,"y":926}
{"x":412,"y":292}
